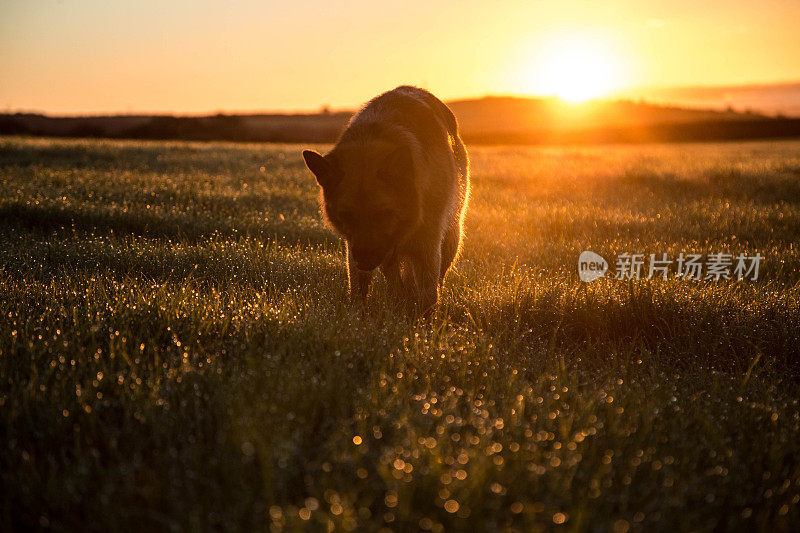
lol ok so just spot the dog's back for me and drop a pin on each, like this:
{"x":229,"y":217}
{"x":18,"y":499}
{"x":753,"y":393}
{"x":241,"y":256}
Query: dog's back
{"x":411,"y":115}
{"x":415,"y":117}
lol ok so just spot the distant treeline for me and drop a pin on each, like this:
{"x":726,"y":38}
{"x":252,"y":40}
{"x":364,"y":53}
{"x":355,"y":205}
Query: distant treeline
{"x":493,"y":120}
{"x":722,"y":130}
{"x":313,"y":128}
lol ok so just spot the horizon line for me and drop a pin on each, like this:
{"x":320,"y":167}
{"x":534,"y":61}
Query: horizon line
{"x":622,"y":95}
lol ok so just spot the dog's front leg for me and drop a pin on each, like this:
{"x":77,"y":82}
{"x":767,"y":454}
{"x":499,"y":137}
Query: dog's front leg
{"x":359,"y":281}
{"x":426,"y":269}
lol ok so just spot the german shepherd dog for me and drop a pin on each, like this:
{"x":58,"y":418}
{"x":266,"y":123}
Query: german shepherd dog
{"x":396,"y":187}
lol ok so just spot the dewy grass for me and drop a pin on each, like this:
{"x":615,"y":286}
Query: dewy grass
{"x":177,"y":351}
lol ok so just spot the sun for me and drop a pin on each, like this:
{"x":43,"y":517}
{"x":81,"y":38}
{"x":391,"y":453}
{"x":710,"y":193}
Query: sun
{"x":576,"y":68}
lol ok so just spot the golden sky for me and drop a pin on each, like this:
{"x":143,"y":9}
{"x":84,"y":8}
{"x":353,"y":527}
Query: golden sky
{"x":90,"y":56}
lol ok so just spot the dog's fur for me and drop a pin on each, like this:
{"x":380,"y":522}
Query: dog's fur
{"x":396,"y":187}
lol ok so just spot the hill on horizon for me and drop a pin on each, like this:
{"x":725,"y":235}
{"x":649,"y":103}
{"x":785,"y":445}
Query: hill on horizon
{"x":766,"y":98}
{"x":516,"y":114}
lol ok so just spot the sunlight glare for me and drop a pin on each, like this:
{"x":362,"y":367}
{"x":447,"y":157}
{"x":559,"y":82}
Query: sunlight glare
{"x":577,"y":68}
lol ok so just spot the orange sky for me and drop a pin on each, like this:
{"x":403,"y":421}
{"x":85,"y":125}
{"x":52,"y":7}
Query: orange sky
{"x":78,"y":56}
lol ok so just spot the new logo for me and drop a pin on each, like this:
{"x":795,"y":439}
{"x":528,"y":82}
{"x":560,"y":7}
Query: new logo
{"x":591,"y":266}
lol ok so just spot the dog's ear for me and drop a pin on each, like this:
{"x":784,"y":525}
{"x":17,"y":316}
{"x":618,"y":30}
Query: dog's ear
{"x":399,"y":163}
{"x":325,"y":172}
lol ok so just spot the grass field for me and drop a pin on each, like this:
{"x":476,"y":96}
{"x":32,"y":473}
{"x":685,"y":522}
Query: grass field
{"x":177,"y":352}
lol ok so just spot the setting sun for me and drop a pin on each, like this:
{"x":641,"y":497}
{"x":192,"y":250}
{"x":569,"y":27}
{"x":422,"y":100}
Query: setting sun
{"x":577,"y":68}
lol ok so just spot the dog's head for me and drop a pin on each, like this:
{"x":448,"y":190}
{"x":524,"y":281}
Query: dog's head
{"x":369,"y":196}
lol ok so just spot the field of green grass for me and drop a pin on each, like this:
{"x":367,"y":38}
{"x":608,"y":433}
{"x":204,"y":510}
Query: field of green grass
{"x":177,"y":351}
